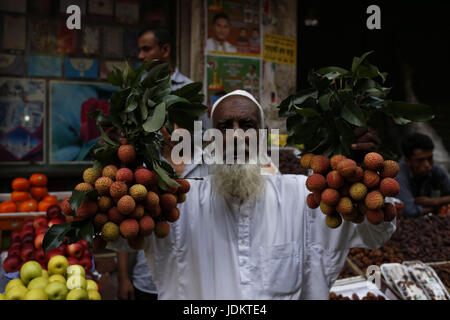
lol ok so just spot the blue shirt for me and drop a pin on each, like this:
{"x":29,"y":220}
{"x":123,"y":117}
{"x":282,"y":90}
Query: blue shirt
{"x":437,"y":183}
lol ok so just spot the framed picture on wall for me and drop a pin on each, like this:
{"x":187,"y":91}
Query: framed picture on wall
{"x":22,"y":121}
{"x":72,"y":131}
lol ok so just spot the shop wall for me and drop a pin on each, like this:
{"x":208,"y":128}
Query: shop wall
{"x":49,"y":75}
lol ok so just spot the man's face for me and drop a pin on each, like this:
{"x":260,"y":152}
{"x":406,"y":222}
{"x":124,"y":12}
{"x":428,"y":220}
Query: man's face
{"x":236,"y":112}
{"x":255,"y":34}
{"x":149,"y":48}
{"x":221,"y":29}
{"x":420,"y":163}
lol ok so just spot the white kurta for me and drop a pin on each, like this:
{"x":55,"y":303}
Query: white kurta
{"x":273,"y":248}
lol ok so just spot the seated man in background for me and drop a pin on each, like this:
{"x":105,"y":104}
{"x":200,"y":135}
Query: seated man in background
{"x":424,"y":186}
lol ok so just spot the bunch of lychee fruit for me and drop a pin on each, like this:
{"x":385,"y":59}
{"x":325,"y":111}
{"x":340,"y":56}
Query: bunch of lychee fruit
{"x":344,"y":190}
{"x":130,"y":203}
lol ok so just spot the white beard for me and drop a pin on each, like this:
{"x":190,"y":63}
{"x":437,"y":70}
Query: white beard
{"x":240,"y":181}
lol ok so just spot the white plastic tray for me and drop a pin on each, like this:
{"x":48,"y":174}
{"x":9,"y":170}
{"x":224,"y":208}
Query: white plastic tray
{"x":356,"y":285}
{"x":402,"y":276}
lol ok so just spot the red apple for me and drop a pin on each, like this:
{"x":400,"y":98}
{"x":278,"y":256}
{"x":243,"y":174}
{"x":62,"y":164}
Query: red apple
{"x":29,"y":239}
{"x":14,"y":252}
{"x":26,"y":231}
{"x":55,"y":221}
{"x":54,"y":211}
{"x":84,"y":243}
{"x":40,"y":222}
{"x":15,"y":245}
{"x":87,"y":253}
{"x":38,"y":240}
{"x":86,"y":263}
{"x":62,"y":249}
{"x":73,"y":261}
{"x":28,"y":223}
{"x":15,"y":236}
{"x":41,"y":230}
{"x":27,"y":252}
{"x":75,"y":250}
{"x":39,"y":256}
{"x":52,"y":253}
{"x":12,"y":264}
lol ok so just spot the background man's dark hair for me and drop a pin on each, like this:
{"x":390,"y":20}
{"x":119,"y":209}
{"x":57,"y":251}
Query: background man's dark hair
{"x":416,"y":141}
{"x":163,"y":37}
{"x":220,"y":16}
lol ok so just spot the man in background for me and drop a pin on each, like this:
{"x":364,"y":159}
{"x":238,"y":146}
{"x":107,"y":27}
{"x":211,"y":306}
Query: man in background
{"x":424,"y":186}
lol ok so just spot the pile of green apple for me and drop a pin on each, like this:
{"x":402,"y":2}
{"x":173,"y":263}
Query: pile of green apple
{"x":60,"y":282}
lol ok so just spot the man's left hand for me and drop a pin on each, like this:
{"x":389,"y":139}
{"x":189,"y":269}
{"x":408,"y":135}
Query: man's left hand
{"x":367,"y":139}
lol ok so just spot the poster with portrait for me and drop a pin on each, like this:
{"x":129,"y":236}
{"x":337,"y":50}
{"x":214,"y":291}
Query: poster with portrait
{"x":22,"y":120}
{"x":225,"y":74}
{"x":72,"y":131}
{"x":234,"y":27}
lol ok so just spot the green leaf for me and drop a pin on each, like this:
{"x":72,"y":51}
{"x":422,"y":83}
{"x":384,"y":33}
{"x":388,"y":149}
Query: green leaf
{"x":97,"y":165}
{"x":331,"y":71}
{"x":172,"y":99}
{"x":353,"y":115}
{"x":307,"y":112}
{"x":144,"y":110}
{"x":54,"y":236}
{"x":85,"y":230}
{"x":357,"y":61}
{"x":106,"y":137}
{"x":299,"y":99}
{"x":324,"y":101}
{"x":413,"y":112}
{"x":157,"y":120}
{"x":132,"y":103}
{"x":115,"y":77}
{"x":189,"y":90}
{"x":78,"y":197}
{"x":163,"y":175}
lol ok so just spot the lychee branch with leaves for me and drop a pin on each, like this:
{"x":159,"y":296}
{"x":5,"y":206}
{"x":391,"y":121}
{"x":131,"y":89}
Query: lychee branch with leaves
{"x":130,"y":190}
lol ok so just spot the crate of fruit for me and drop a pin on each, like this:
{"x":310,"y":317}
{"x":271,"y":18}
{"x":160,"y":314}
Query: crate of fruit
{"x":356,"y":288}
{"x":397,"y":276}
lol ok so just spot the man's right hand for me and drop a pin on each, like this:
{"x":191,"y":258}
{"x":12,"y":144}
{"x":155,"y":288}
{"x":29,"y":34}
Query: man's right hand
{"x":125,"y":290}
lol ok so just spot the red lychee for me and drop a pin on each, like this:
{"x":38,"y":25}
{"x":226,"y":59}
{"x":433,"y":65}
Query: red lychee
{"x":172,"y":215}
{"x":129,"y":228}
{"x":390,"y":169}
{"x":374,"y":200}
{"x":110,"y":171}
{"x":390,"y":212}
{"x":311,"y":202}
{"x":168,"y":201}
{"x":358,"y":191}
{"x":371,"y":179}
{"x":346,"y":168}
{"x":375,"y":216}
{"x":146,"y":226}
{"x":330,"y":197}
{"x":326,"y":209}
{"x":373,"y":161}
{"x":305,"y":160}
{"x":358,"y":176}
{"x":333,"y":220}
{"x":389,"y":187}
{"x":184,"y":187}
{"x":115,"y":216}
{"x":162,"y":229}
{"x":126,"y":205}
{"x":344,"y":206}
{"x":126,"y":153}
{"x":334,"y":179}
{"x":316,"y":182}
{"x":320,"y":164}
{"x":118,"y":189}
{"x":87,"y":209}
{"x":144,"y":177}
{"x":102,"y":185}
{"x":335,"y":160}
{"x":125,"y":175}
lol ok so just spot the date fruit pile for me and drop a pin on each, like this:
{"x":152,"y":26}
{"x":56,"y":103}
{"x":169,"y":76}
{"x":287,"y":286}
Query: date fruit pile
{"x":289,"y":164}
{"x":347,"y":191}
{"x":130,"y":203}
{"x":425,"y":238}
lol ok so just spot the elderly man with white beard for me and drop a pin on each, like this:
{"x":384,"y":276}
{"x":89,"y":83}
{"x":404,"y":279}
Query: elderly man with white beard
{"x":243,"y":235}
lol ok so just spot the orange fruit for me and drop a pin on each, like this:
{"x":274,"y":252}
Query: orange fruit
{"x":20,"y":184}
{"x":19,"y":196}
{"x":43,"y":206}
{"x":28,"y":206}
{"x":50,"y":199}
{"x":8,"y":206}
{"x":38,"y":192}
{"x":38,"y":180}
